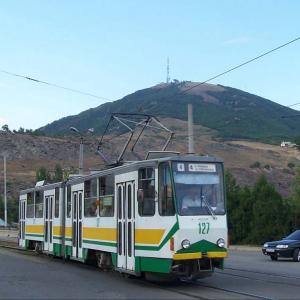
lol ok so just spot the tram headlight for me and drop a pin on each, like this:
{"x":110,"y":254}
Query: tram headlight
{"x":185,"y":244}
{"x":221,"y":243}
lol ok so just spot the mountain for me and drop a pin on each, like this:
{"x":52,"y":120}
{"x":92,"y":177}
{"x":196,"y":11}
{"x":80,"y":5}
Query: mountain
{"x":232,"y":113}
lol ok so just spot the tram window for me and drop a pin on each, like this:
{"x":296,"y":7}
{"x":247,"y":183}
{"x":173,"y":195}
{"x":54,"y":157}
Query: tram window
{"x":146,"y":207}
{"x":39,"y":203}
{"x":106,"y":187}
{"x":165,"y":201}
{"x":90,"y":197}
{"x":30,"y":205}
{"x":56,"y":215}
{"x":68,"y":201}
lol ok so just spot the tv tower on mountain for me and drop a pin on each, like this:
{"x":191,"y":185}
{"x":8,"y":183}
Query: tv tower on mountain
{"x":168,"y":71}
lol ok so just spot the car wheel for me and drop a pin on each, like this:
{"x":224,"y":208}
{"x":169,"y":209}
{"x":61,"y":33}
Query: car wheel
{"x":274,"y":257}
{"x":296,"y":255}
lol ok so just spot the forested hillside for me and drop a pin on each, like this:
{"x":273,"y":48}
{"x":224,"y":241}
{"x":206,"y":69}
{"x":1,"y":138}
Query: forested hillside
{"x":231,"y":112}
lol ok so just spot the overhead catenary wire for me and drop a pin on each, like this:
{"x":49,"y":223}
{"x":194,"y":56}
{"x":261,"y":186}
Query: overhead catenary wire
{"x":293,"y":104}
{"x":242,"y":64}
{"x":55,"y":85}
{"x":180,"y":92}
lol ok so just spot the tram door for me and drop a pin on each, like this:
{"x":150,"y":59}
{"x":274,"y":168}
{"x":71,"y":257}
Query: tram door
{"x":48,"y":223}
{"x":126,"y":224}
{"x":22,"y":223}
{"x":77,"y":224}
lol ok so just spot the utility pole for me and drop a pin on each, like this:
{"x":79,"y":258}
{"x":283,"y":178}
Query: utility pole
{"x":81,"y":156}
{"x":5,"y":199}
{"x":190,"y":129}
{"x":80,"y":149}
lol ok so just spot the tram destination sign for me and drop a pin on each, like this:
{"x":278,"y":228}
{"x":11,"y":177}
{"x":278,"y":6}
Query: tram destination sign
{"x":196,"y":167}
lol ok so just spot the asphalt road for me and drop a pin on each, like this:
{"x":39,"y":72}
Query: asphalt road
{"x":248,"y":275}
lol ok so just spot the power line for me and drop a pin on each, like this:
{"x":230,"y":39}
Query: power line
{"x":55,"y":85}
{"x":183,"y":91}
{"x":243,"y":64}
{"x":294,"y":104}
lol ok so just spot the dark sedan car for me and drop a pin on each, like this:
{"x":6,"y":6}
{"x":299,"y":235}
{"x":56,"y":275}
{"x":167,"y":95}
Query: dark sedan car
{"x":287,"y":247}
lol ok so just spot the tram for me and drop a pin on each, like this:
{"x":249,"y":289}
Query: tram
{"x":162,"y":216}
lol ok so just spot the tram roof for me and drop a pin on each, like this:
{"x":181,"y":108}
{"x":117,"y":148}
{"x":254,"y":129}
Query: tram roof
{"x":126,"y":167}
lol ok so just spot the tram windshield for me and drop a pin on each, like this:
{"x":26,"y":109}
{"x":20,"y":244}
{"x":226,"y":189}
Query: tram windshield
{"x":199,"y":188}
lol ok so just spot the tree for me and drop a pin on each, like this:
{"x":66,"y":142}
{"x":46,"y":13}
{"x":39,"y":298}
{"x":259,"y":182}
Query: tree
{"x":5,"y":128}
{"x":21,"y":130}
{"x":294,"y":201}
{"x":239,"y":209}
{"x":269,"y":214}
{"x":58,"y":173}
{"x":42,"y":174}
{"x":12,"y":209}
{"x":297,"y":142}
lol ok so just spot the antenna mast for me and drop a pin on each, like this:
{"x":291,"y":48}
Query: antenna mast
{"x":168,"y":70}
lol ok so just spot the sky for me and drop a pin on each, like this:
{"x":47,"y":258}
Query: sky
{"x":111,"y":48}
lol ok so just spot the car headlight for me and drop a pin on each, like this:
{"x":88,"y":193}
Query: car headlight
{"x":221,"y":243}
{"x":266,"y":245}
{"x":282,"y":246}
{"x":185,"y":244}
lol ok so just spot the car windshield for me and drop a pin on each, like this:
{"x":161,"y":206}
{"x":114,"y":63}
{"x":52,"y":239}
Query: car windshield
{"x":199,"y":188}
{"x":293,"y":236}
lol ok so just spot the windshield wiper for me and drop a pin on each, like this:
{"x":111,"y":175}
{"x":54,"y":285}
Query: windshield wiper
{"x":209,"y":208}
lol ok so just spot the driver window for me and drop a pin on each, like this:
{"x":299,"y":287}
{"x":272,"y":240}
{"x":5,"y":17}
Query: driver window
{"x":165,"y":201}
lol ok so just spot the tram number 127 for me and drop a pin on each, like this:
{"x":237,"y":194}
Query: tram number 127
{"x":203,"y":228}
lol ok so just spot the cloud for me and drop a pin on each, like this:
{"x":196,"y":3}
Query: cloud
{"x":237,"y":40}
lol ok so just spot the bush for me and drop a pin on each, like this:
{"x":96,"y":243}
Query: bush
{"x":255,"y":165}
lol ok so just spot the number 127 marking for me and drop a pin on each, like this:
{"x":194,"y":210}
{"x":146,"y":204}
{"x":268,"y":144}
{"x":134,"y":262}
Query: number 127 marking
{"x":203,"y":228}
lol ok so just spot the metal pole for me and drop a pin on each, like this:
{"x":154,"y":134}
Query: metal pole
{"x":5,"y":199}
{"x":190,"y":129}
{"x":81,"y":156}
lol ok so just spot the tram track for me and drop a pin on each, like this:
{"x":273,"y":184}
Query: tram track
{"x":235,"y":292}
{"x":262,"y":279}
{"x":262,"y":273}
{"x":181,"y":289}
{"x":200,"y":284}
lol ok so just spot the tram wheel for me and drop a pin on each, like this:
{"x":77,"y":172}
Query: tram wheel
{"x":274,"y":257}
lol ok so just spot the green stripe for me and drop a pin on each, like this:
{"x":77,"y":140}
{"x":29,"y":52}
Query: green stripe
{"x":150,"y":264}
{"x":57,"y":237}
{"x":36,"y":235}
{"x":173,"y":230}
{"x":100,"y":243}
{"x":202,"y":246}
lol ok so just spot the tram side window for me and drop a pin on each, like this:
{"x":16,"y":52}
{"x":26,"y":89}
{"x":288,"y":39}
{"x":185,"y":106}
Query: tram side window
{"x":56,"y":215}
{"x":165,"y":201}
{"x":106,"y":185}
{"x":90,"y":197}
{"x":39,"y":204}
{"x":30,"y":205}
{"x":146,"y":207}
{"x":68,"y":201}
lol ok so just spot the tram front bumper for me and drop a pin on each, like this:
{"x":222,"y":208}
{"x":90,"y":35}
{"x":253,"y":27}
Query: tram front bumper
{"x":198,"y":264}
{"x":199,"y":255}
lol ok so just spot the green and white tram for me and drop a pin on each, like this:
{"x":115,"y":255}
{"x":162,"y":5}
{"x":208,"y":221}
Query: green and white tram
{"x":163,"y":216}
